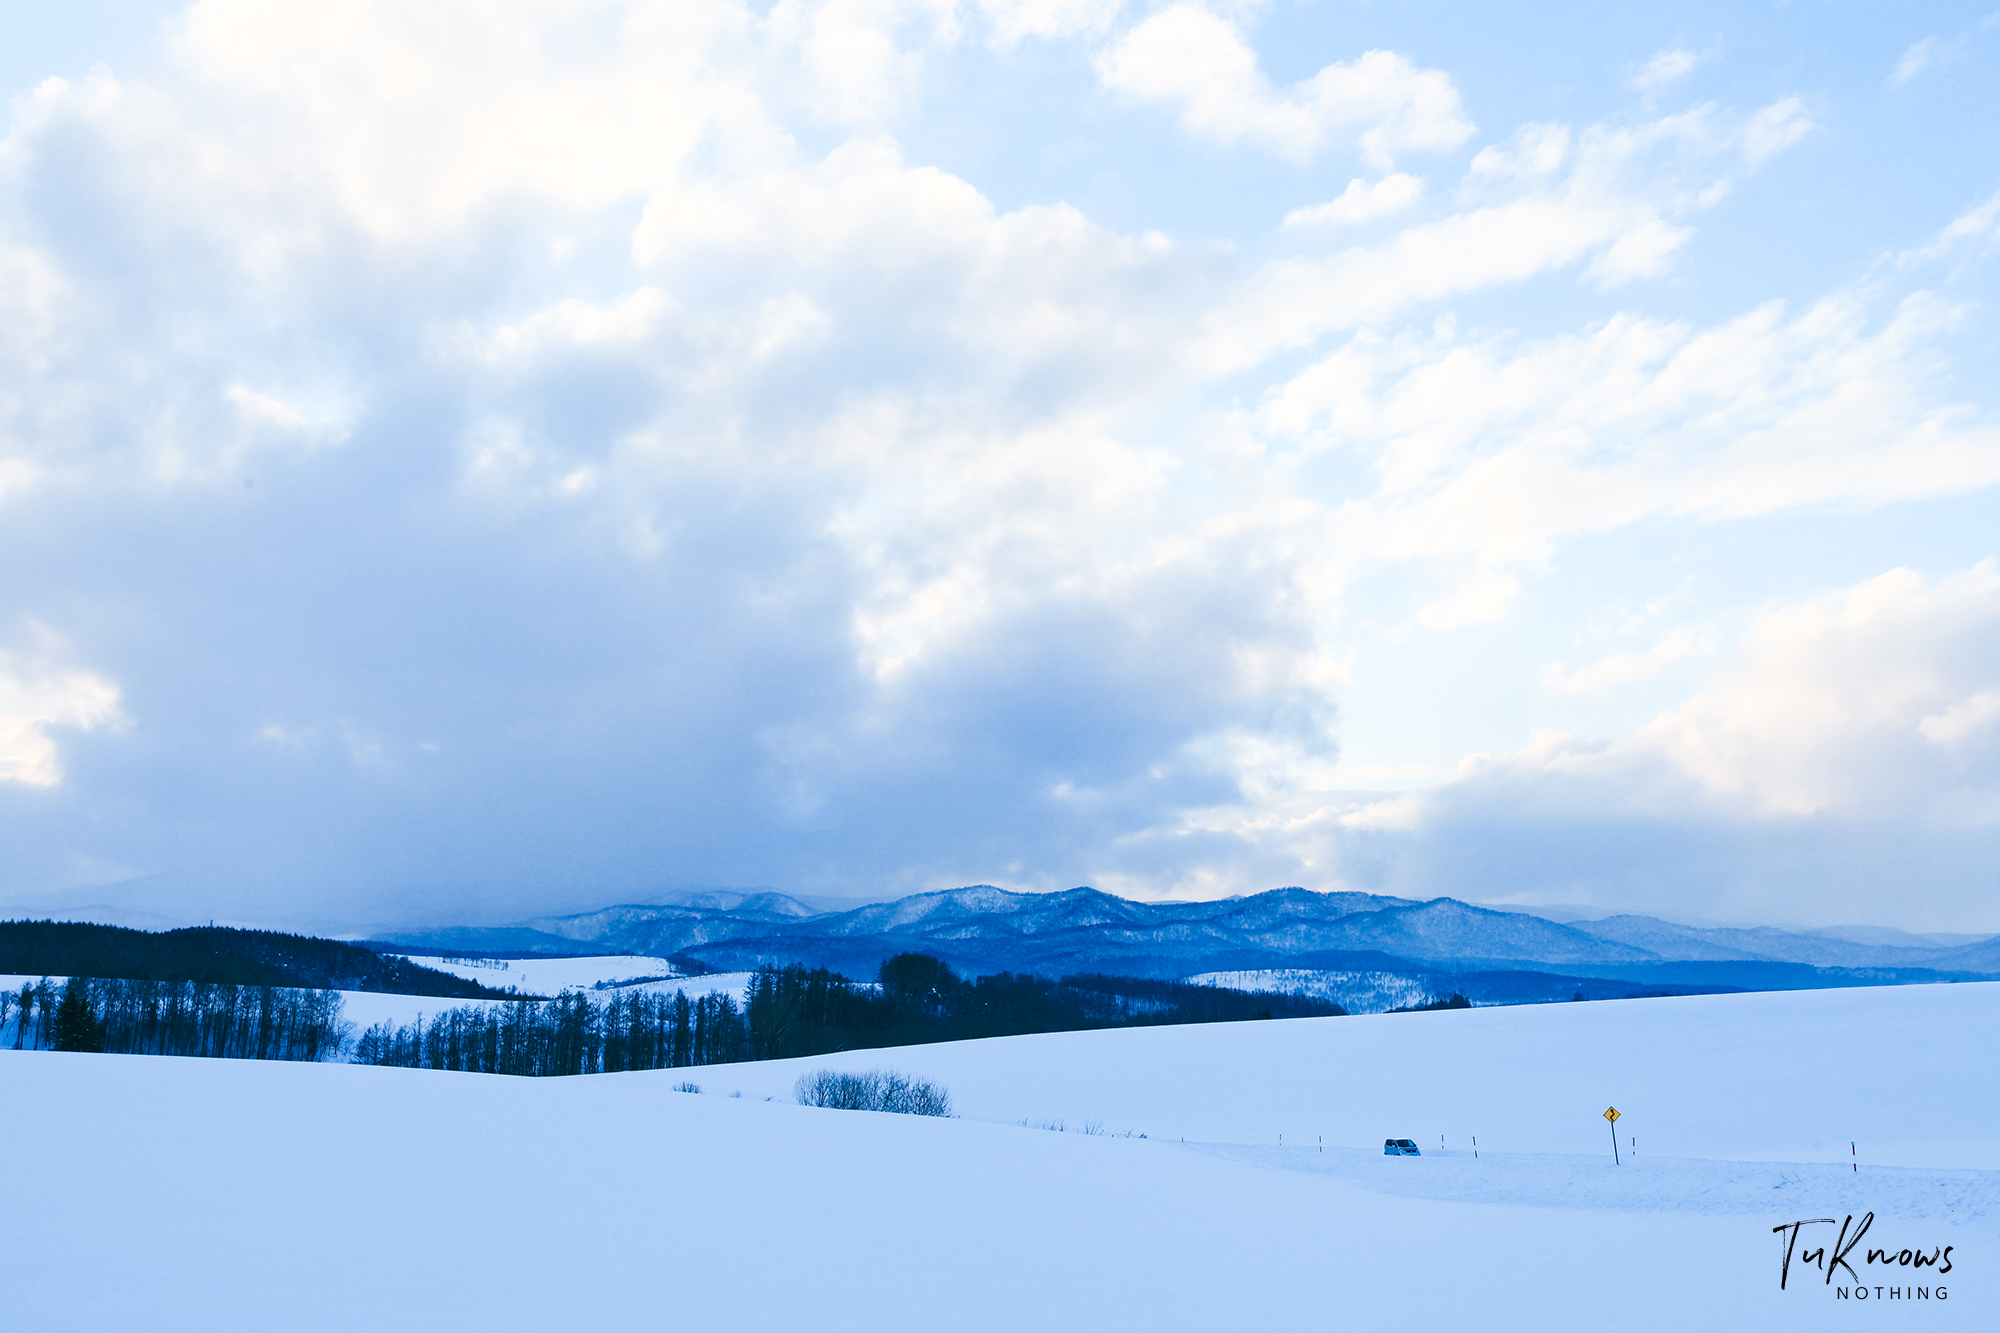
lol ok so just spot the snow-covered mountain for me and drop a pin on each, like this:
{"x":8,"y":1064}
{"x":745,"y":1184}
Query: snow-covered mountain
{"x":1664,"y":939}
{"x":981,"y":928}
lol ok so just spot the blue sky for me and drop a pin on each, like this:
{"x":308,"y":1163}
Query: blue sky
{"x":457,"y":463}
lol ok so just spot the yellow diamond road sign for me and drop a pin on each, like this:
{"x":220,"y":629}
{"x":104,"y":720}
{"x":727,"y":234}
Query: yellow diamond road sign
{"x":1611,"y":1114}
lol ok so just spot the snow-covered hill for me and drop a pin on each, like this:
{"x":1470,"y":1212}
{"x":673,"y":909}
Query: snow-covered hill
{"x":546,"y":976}
{"x":364,"y":1010}
{"x":1778,"y":1076}
{"x":217,"y":1195}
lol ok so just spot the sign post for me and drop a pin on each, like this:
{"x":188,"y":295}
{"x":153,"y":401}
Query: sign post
{"x":1611,"y":1114}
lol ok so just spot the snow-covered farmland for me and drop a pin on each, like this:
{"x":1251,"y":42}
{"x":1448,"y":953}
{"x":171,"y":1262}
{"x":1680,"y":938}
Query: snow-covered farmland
{"x":1356,"y":992}
{"x":169,"y":1194}
{"x":366,"y":1008}
{"x":546,"y":976}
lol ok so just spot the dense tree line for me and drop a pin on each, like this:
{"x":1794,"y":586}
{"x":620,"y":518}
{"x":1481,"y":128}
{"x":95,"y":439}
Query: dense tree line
{"x":176,"y":1018}
{"x":917,"y":998}
{"x":794,"y":1011}
{"x":788,"y":1011}
{"x":218,"y":956}
{"x":797,"y":1011}
{"x":571,"y":1034}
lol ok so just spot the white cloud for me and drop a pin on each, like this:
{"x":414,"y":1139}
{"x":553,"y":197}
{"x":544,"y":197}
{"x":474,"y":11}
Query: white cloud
{"x":1495,"y":450}
{"x":1774,"y":129}
{"x":1620,"y":669}
{"x":39,"y":691}
{"x":1295,"y":301}
{"x":864,"y":57}
{"x":574,"y":323}
{"x":1187,"y":55}
{"x":1833,"y":700}
{"x":1962,"y":719}
{"x":1978,"y":223}
{"x":1914,"y":61}
{"x":1646,"y":250}
{"x":413,"y":127}
{"x":1666,"y":68}
{"x":703,"y":448}
{"x":1013,"y":20}
{"x":1541,"y":202}
{"x":1860,"y":702}
{"x":1928,"y":53}
{"x":1839,"y":760}
{"x":1535,"y":150}
{"x":862,"y":198}
{"x":1479,"y":598}
{"x":1361,"y":201}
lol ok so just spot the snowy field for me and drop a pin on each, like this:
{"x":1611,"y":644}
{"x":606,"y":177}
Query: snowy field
{"x":546,"y":976}
{"x":366,"y":1008}
{"x":1356,"y":992}
{"x":185,"y":1194}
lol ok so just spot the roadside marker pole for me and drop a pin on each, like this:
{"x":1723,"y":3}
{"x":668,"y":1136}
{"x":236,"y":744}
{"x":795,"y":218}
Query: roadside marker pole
{"x":1855,"y":1157}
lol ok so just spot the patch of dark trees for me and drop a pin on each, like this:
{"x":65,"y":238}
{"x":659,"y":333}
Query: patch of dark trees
{"x":919,"y":998}
{"x":218,"y":955}
{"x":792,"y":1011}
{"x":1456,"y":1000}
{"x":175,"y":1018}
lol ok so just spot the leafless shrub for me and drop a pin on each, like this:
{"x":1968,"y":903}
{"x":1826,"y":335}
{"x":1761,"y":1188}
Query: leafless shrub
{"x":876,"y":1090}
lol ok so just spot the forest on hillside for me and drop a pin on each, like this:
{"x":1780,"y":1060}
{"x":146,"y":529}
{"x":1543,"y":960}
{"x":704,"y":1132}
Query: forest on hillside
{"x":217,"y":955}
{"x":793,"y":1011}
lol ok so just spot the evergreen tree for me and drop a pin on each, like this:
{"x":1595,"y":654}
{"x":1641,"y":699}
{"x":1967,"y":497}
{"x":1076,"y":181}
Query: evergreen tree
{"x":77,"y":1027}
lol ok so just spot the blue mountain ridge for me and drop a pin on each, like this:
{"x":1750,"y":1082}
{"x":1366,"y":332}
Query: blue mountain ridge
{"x":983,"y":929}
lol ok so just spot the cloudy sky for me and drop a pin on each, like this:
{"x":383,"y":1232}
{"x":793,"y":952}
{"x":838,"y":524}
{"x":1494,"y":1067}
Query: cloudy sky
{"x":459,"y":461}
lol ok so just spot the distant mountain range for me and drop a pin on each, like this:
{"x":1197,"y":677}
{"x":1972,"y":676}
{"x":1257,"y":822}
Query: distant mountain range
{"x":982,"y":929}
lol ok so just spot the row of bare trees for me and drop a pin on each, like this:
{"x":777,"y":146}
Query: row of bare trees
{"x":569,"y":1034}
{"x":176,"y":1018}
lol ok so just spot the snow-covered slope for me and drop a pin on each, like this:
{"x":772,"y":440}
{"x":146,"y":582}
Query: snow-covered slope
{"x":1777,"y":1076}
{"x":1356,"y":992}
{"x":217,"y":1195}
{"x":546,"y":976}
